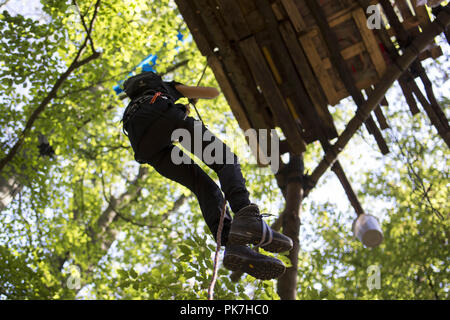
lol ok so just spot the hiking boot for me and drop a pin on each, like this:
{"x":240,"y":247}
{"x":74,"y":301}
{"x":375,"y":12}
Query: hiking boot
{"x":248,"y":227}
{"x":242,"y":258}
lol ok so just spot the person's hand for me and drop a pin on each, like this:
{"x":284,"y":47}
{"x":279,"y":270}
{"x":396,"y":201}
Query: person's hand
{"x":193,"y":100}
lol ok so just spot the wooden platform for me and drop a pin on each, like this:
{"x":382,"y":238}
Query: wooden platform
{"x":284,"y":63}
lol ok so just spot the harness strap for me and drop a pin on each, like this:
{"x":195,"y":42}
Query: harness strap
{"x":157,"y":94}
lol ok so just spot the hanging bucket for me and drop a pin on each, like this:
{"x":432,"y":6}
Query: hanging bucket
{"x":367,"y":229}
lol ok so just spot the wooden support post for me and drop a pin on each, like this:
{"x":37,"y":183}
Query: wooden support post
{"x":339,"y":171}
{"x":287,"y":283}
{"x":379,"y":113}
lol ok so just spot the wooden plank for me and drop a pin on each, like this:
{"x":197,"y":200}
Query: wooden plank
{"x":228,"y":91}
{"x":341,"y":16}
{"x":194,"y":24}
{"x":362,"y":84}
{"x":379,"y":113}
{"x":294,"y":15}
{"x":234,"y":17}
{"x":255,"y":21}
{"x":291,"y":86}
{"x":221,"y":15}
{"x":404,"y":8}
{"x":264,"y":79}
{"x":371,"y":43}
{"x":422,"y":15}
{"x":319,"y":69}
{"x":407,"y":93}
{"x":236,"y":71}
{"x":310,"y":81}
{"x":246,"y":6}
{"x":381,"y":118}
{"x":347,"y":53}
{"x":277,"y":11}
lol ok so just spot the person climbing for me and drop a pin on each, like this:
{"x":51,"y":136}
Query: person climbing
{"x":149,"y":121}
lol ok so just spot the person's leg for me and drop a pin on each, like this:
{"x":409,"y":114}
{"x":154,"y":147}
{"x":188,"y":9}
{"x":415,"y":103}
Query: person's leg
{"x":156,"y":149}
{"x":219,"y":157}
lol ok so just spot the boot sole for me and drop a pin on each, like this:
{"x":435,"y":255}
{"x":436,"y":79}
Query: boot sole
{"x":276,"y":246}
{"x":263,"y":270}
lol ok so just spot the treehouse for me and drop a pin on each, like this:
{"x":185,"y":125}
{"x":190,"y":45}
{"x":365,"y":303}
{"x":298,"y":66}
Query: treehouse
{"x":286,"y":63}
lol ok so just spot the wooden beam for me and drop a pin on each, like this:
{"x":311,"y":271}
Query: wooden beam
{"x":379,"y":113}
{"x":312,"y":86}
{"x":291,"y":84}
{"x":319,"y":69}
{"x":264,"y":79}
{"x":193,"y":22}
{"x":235,"y":18}
{"x":339,"y":171}
{"x":370,"y":42}
{"x":230,"y":95}
{"x":294,"y":15}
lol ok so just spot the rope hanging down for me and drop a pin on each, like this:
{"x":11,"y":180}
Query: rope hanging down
{"x":216,"y":256}
{"x":193,"y":102}
{"x":222,"y":214}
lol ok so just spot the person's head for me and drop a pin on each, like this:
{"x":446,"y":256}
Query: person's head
{"x":138,"y":84}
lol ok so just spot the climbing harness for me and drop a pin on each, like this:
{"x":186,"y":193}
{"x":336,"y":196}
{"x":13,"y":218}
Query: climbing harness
{"x":136,"y":104}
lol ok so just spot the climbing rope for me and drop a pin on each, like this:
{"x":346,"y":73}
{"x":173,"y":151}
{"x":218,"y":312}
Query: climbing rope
{"x":193,"y":102}
{"x":216,"y":256}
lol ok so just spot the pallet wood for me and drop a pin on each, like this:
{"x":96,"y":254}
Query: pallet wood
{"x":322,"y":67}
{"x":230,"y":95}
{"x":229,"y":62}
{"x":297,"y":97}
{"x":264,"y":79}
{"x":392,"y":74}
{"x":311,"y":84}
{"x":370,"y":41}
{"x":319,"y":69}
{"x":345,"y":75}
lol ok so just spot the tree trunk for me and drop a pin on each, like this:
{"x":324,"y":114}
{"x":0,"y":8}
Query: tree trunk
{"x":287,"y":283}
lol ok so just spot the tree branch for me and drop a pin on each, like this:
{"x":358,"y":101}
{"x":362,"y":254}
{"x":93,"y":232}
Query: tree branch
{"x":86,"y":28}
{"x":52,"y":94}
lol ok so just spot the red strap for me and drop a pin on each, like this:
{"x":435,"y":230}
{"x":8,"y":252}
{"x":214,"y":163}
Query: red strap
{"x":155,"y":97}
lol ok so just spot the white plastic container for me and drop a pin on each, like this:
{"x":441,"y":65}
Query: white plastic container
{"x":367,"y":229}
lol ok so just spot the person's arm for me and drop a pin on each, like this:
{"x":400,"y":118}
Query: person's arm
{"x":197,"y":92}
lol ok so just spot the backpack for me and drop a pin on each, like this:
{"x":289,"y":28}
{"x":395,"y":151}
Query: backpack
{"x":138,"y":84}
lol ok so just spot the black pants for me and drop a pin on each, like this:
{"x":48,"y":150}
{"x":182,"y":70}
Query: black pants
{"x":150,"y":133}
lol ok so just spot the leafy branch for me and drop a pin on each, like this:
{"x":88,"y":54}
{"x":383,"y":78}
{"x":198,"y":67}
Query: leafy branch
{"x":76,"y":63}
